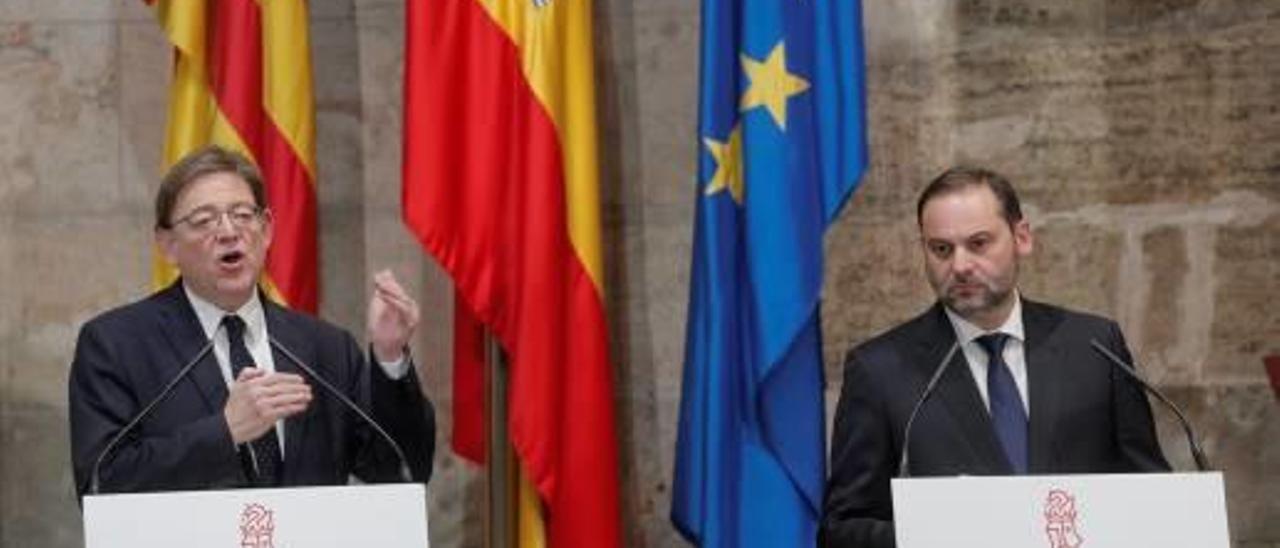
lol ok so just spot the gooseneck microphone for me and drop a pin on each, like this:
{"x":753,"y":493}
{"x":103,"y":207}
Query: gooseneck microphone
{"x":1202,"y":462}
{"x":903,"y":472}
{"x":405,"y":475}
{"x":133,"y":423}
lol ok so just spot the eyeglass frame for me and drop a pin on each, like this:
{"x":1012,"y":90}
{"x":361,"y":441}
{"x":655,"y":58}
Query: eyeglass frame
{"x":248,"y":220}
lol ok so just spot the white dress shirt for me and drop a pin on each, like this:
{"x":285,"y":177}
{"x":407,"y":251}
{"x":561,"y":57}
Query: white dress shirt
{"x":1015,"y":351}
{"x":257,"y":341}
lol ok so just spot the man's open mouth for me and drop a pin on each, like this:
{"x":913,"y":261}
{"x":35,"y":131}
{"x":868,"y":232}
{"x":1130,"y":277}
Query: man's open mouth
{"x":231,"y":258}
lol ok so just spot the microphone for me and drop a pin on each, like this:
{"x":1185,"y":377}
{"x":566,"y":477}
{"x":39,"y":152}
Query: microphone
{"x":404,"y":462}
{"x":911,"y":419}
{"x":1202,"y":462}
{"x":133,"y":423}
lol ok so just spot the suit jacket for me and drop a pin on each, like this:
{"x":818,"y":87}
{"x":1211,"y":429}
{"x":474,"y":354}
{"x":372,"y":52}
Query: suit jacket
{"x":126,"y":356}
{"x":1085,"y":415}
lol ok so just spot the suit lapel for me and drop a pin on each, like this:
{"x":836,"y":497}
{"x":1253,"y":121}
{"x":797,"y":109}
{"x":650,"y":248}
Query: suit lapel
{"x":282,"y":329}
{"x":1045,"y":381}
{"x":964,"y":405}
{"x":181,"y":329}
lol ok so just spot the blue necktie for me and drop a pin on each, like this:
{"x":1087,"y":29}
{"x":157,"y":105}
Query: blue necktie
{"x":262,"y":463}
{"x":1007,"y":413}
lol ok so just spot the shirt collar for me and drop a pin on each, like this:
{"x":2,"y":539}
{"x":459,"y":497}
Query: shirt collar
{"x":967,"y":331}
{"x":210,"y":315}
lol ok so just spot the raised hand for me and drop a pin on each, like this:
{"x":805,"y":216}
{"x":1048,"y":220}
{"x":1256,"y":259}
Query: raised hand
{"x":393,"y":315}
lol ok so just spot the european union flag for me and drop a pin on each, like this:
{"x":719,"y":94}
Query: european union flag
{"x":783,"y":145}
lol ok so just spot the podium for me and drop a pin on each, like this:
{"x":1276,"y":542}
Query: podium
{"x":1072,"y":511}
{"x":389,"y":516}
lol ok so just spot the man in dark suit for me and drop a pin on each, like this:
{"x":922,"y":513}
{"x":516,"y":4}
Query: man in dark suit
{"x":245,"y":415}
{"x":1024,"y":394}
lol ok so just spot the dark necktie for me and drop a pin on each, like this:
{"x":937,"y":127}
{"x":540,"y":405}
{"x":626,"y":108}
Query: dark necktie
{"x":262,"y":464}
{"x":1007,"y":413}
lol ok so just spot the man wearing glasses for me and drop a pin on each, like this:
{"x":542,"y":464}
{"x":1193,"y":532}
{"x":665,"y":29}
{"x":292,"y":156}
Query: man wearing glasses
{"x":245,"y":414}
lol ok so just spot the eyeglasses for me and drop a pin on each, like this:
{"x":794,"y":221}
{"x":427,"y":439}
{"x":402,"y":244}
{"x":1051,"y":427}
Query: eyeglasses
{"x":206,"y":219}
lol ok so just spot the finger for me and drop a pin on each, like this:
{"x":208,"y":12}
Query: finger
{"x":260,"y":393}
{"x":287,"y":411}
{"x":284,"y":400}
{"x":385,"y":278}
{"x":249,"y":373}
{"x":273,"y":379}
{"x":399,"y":299}
{"x":403,"y":312}
{"x":273,"y":383}
{"x":395,"y":297}
{"x":275,"y":408}
{"x":386,"y":282}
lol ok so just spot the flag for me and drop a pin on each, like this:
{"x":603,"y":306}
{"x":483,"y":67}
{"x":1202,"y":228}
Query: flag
{"x":500,"y":186}
{"x":781,"y":148}
{"x":242,"y":80}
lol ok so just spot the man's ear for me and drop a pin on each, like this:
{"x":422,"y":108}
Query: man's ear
{"x":1023,"y":240}
{"x":268,"y":228}
{"x":167,"y":243}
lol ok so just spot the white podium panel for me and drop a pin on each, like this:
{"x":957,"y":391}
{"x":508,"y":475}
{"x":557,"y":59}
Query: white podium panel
{"x":1079,"y":511}
{"x":389,"y":516}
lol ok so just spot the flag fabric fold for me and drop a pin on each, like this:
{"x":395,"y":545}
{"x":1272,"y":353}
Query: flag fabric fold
{"x":242,"y":80}
{"x":782,"y":147}
{"x":500,"y":186}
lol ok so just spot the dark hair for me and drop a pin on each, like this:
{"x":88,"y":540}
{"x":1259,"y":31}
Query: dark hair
{"x":203,"y":161}
{"x":960,"y":178}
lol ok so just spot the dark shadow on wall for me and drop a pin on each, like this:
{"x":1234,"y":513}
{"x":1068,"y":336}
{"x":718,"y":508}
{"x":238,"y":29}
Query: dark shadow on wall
{"x":622,"y":215}
{"x":340,"y":163}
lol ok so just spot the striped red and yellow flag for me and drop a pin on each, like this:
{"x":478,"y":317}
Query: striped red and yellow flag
{"x":242,"y":80}
{"x":501,"y":187}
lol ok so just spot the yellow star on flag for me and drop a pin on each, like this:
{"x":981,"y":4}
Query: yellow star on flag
{"x":728,"y":157}
{"x":771,"y":84}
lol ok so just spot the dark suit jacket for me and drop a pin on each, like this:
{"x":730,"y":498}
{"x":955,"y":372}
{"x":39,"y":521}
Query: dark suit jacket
{"x":1086,"y":416}
{"x":125,"y":357}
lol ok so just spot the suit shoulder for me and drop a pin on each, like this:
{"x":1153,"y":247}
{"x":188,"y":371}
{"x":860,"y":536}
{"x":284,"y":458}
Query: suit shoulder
{"x":1074,"y":321}
{"x":888,"y":345}
{"x":126,"y":316}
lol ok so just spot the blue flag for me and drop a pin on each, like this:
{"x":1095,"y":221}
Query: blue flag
{"x":782,"y":146}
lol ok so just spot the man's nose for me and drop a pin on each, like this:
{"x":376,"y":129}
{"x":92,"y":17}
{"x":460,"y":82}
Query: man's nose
{"x":962,"y":262}
{"x":224,"y":229}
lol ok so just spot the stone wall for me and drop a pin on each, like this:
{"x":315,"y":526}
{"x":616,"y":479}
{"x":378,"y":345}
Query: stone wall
{"x":1145,"y":137}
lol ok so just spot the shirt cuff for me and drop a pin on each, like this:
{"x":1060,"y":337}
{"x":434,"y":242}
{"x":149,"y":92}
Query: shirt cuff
{"x":395,"y":370}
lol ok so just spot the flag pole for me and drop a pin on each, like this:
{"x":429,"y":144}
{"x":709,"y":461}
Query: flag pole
{"x":501,"y":472}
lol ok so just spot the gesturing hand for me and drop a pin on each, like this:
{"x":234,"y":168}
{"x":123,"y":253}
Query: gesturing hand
{"x":258,"y":399}
{"x":393,"y":315}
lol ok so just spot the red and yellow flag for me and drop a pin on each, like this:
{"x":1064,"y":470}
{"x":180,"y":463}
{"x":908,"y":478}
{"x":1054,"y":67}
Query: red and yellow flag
{"x":500,"y":185}
{"x":242,"y":80}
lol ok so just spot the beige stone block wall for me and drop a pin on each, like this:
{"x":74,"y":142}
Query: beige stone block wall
{"x":1145,"y":137}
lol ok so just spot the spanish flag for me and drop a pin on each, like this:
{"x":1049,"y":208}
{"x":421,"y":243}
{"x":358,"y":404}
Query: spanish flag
{"x":242,"y":80}
{"x":500,"y":186}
